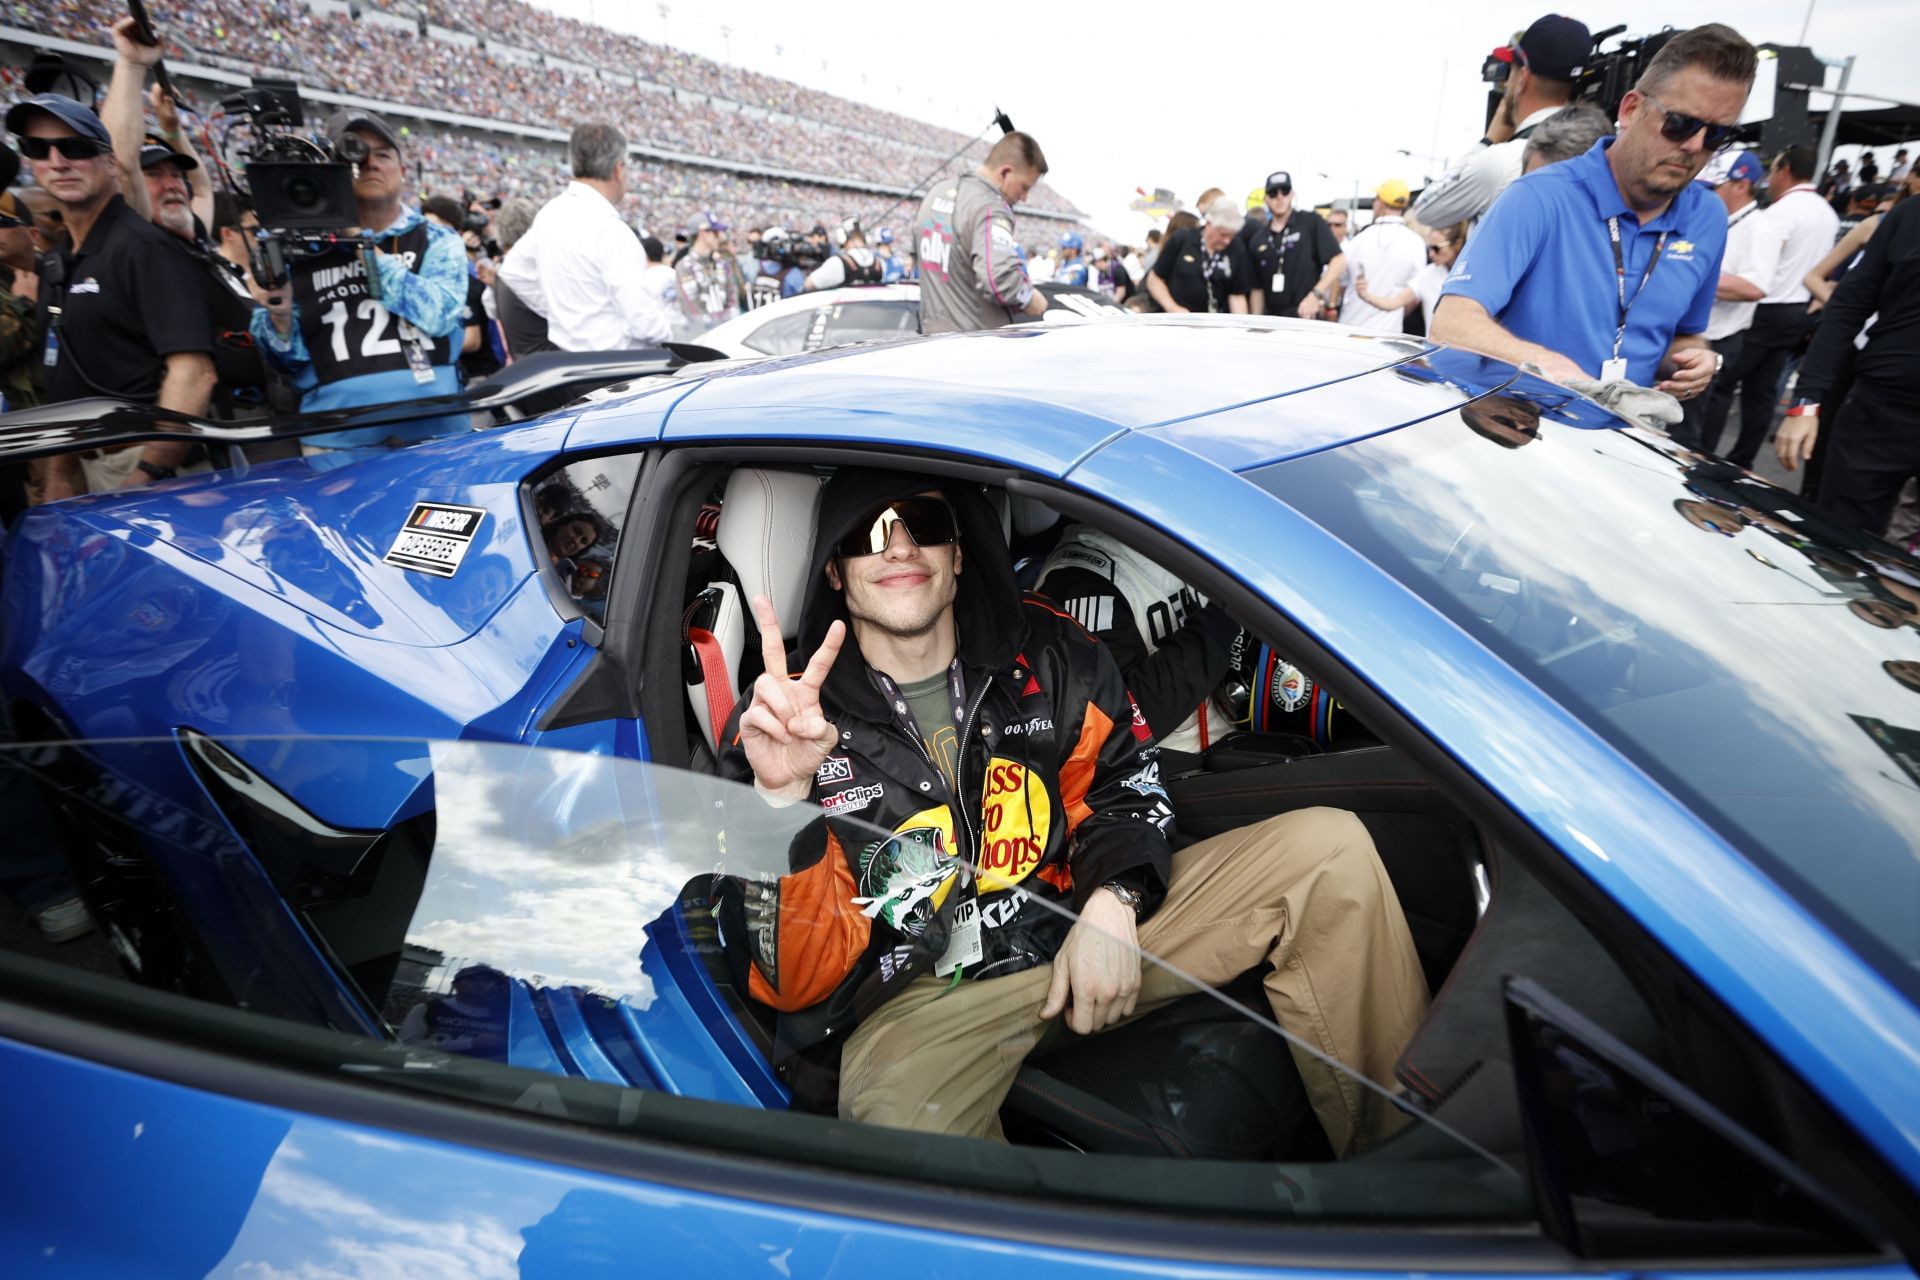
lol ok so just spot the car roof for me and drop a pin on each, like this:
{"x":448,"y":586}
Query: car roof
{"x":1066,"y":390}
{"x":747,"y":321}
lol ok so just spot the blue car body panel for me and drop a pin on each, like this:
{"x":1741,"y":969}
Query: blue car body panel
{"x":259,"y":604}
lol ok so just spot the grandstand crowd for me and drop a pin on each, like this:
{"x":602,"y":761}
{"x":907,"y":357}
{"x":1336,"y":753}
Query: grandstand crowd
{"x":507,"y":61}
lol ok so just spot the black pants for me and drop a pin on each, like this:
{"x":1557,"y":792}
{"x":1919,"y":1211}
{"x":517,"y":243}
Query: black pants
{"x":1692,"y":429}
{"x":1868,"y":460}
{"x":1772,"y":338}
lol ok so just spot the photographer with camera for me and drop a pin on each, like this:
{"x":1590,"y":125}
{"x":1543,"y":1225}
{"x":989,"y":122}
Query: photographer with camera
{"x":349,"y":339}
{"x":121,"y":312}
{"x":1540,"y":72}
{"x":852,"y":263}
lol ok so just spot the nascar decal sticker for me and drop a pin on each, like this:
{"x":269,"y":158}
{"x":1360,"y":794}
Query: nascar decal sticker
{"x":1016,"y":817}
{"x":904,"y":879}
{"x":435,"y":538}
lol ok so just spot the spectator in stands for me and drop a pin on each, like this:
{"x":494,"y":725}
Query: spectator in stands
{"x":1544,"y":68}
{"x":120,"y":314}
{"x":1564,"y":135}
{"x":710,"y":285}
{"x":970,"y":277}
{"x":343,"y":345}
{"x":580,"y":265}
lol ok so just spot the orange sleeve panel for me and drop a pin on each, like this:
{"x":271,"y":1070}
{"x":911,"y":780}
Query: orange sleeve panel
{"x":1076,"y":775}
{"x":819,"y":937}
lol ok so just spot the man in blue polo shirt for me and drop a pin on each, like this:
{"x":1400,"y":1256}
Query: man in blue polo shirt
{"x":1605,"y":266}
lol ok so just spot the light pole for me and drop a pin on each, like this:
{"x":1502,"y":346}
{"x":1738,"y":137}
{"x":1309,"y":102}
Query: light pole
{"x":726,"y":39}
{"x":666,"y":33}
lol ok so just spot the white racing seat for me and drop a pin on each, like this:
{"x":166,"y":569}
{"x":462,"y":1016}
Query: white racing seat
{"x":766,"y":535}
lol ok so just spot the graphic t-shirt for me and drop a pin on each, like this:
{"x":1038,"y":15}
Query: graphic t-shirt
{"x":933,"y":711}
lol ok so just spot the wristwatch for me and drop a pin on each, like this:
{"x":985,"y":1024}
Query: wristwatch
{"x":1134,"y":899}
{"x":155,"y":471}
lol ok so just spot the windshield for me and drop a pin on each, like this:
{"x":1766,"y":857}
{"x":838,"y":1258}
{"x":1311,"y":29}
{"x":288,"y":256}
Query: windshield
{"x":461,"y":914}
{"x":1757,"y":657}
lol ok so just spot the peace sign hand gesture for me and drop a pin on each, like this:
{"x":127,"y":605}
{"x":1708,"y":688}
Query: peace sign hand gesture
{"x":784,"y":732}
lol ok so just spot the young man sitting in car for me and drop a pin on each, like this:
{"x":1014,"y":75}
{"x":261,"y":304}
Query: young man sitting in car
{"x":1029,"y":864}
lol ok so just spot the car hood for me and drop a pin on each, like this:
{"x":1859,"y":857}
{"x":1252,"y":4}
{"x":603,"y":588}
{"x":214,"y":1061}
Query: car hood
{"x":317,"y":539}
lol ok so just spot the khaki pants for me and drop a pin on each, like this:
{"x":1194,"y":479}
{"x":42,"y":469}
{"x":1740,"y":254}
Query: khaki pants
{"x":1304,"y":892}
{"x":109,"y":471}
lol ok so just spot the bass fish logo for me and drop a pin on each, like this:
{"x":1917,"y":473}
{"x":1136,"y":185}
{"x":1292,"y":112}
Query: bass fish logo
{"x":904,"y":879}
{"x":1017,"y":818}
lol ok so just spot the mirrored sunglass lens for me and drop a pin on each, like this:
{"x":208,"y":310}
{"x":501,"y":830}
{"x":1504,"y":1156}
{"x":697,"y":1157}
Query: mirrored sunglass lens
{"x":929,"y":523}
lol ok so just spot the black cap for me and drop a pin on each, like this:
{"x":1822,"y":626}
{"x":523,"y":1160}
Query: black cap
{"x":355,"y":118}
{"x":76,"y":117}
{"x":51,"y":73}
{"x":154,"y":153}
{"x":1280,"y":180}
{"x":1557,"y":47}
{"x":445,"y":208}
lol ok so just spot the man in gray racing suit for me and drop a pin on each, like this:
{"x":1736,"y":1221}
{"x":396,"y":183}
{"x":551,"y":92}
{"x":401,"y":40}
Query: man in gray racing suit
{"x":971,"y":276}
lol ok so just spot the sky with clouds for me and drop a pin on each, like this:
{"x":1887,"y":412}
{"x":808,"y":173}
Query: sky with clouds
{"x":1144,"y":95}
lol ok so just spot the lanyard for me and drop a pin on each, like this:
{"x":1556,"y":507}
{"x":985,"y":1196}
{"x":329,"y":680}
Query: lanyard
{"x":903,"y":714}
{"x":1620,"y":278}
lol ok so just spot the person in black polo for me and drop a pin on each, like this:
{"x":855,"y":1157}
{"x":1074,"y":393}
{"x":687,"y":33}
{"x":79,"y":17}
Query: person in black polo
{"x":122,"y":311}
{"x":1204,"y":268}
{"x":1296,"y":262}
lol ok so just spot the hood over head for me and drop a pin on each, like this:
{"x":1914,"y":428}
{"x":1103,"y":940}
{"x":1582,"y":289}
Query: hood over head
{"x":986,"y":608}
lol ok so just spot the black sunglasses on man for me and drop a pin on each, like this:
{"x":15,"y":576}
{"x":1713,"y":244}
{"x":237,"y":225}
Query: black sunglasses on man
{"x":35,"y":148}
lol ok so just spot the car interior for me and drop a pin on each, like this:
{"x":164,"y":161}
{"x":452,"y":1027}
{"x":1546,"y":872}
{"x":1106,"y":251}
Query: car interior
{"x":1198,"y":1079}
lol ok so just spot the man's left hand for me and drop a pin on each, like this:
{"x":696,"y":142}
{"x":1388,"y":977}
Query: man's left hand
{"x":1096,"y":976}
{"x":1692,"y":372}
{"x":166,"y":112}
{"x":126,"y":44}
{"x":1309,"y":308}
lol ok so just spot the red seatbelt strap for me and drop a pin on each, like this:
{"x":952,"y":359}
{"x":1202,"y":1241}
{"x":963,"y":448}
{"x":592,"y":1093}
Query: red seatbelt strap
{"x":713,"y":674}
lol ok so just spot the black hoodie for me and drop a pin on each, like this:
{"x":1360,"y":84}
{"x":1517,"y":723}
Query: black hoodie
{"x":1059,"y":792}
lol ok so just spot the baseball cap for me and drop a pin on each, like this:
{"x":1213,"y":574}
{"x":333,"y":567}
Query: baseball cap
{"x":62,"y":108}
{"x":51,"y":73}
{"x":1742,"y":166}
{"x":707,"y":220}
{"x":354,"y":118}
{"x":884,"y":235}
{"x":14,"y":208}
{"x":1071,"y":240}
{"x":157,"y":152}
{"x":1393,"y":193}
{"x":1557,"y":47}
{"x":1279,"y":180}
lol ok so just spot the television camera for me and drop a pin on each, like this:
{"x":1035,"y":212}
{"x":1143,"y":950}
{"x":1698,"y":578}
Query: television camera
{"x":1604,"y":80}
{"x":300,"y":189}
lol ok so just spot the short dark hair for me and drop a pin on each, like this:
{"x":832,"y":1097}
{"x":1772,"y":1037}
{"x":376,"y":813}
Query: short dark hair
{"x":1019,"y":149}
{"x":1715,"y":48}
{"x":651,"y":246}
{"x":1798,"y":160}
{"x":229,"y":208}
{"x":1153,"y":236}
{"x":445,"y":208}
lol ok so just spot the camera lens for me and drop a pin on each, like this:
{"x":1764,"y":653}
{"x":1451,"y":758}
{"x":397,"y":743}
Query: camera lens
{"x":351,"y":148}
{"x":304,"y":194}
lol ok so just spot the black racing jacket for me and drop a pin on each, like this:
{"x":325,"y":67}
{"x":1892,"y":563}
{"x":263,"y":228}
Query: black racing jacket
{"x":1058,"y":792}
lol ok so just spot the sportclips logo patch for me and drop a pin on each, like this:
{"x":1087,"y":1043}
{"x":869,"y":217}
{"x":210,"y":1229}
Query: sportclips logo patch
{"x":1017,"y":818}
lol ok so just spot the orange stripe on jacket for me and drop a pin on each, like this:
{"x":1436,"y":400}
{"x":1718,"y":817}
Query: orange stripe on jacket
{"x":820,"y":936}
{"x":1076,"y":775}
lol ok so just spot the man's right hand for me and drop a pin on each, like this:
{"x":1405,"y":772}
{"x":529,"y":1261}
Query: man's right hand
{"x":1560,"y":369}
{"x":784,"y":732}
{"x":126,"y":44}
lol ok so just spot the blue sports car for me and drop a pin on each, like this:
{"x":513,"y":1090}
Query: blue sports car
{"x":392,"y":789}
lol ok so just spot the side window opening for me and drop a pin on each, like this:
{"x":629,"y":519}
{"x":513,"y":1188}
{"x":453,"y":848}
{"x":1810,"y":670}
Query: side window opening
{"x":581,"y":509}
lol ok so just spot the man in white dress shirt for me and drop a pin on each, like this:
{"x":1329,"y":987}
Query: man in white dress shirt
{"x":1802,"y":227}
{"x":1389,"y":254}
{"x":580,"y":265}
